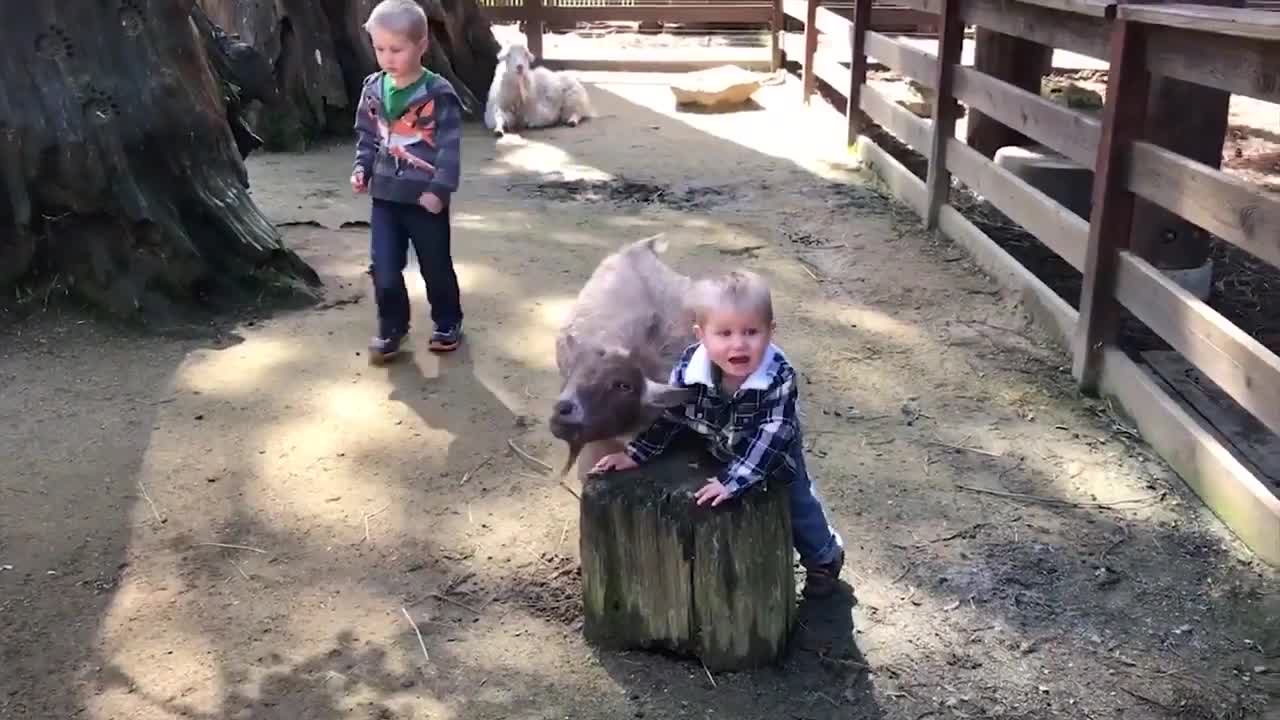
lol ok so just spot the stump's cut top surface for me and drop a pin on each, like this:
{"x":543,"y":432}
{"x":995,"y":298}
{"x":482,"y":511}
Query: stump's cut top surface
{"x":675,"y":473}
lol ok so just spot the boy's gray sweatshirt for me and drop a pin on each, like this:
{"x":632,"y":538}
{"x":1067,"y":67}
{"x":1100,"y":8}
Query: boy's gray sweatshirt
{"x":418,"y":152}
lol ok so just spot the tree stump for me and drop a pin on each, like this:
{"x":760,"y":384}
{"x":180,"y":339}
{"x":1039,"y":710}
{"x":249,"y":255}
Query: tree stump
{"x":660,"y":572}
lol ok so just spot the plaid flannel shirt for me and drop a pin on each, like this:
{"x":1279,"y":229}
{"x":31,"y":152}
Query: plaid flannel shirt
{"x":756,"y":431}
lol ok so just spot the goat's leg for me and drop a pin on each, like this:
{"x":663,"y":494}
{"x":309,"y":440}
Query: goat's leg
{"x":502,"y":122}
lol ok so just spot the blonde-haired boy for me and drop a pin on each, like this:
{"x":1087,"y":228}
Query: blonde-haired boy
{"x":745,"y":406}
{"x":408,"y":158}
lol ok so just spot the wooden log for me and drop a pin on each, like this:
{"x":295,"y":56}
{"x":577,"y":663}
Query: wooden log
{"x":659,"y":572}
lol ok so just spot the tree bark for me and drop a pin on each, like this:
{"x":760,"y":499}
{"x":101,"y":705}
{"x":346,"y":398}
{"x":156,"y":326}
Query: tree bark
{"x":320,"y":55}
{"x":122,"y":179}
{"x":659,"y":572}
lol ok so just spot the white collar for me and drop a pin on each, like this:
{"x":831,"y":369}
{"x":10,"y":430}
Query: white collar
{"x":699,"y":370}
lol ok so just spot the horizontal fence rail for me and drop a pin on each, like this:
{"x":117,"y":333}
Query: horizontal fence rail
{"x":1236,"y":50}
{"x":536,"y":14}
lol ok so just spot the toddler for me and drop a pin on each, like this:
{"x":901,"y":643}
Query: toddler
{"x":745,"y":405}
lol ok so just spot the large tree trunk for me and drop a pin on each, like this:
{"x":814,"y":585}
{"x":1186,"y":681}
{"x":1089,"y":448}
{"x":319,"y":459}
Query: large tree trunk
{"x":122,"y":178}
{"x":320,"y":54}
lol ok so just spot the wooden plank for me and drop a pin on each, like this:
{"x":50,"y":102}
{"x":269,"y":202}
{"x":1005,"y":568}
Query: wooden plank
{"x":1077,"y":32}
{"x":933,"y":7}
{"x":1017,"y":61}
{"x":1046,"y":307}
{"x":903,"y":59}
{"x":900,"y":122}
{"x":857,"y":120}
{"x":738,"y":13}
{"x":901,"y":182}
{"x":1225,"y":485}
{"x":1238,"y":22}
{"x":1109,"y":228}
{"x":1067,"y":131}
{"x":810,"y":50}
{"x":1239,"y":364}
{"x":830,"y":23}
{"x":825,"y":67}
{"x":1098,"y":9}
{"x":1256,"y":446}
{"x":759,"y":63}
{"x":1244,"y":66}
{"x":534,"y":12}
{"x":1226,"y":206}
{"x":1061,"y":230}
{"x":945,"y":110}
{"x":777,"y":26}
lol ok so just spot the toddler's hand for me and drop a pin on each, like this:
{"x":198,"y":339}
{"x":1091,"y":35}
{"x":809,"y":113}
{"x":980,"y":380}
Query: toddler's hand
{"x":613,"y":461}
{"x":714,"y":491}
{"x":431,"y":202}
{"x":357,"y":181}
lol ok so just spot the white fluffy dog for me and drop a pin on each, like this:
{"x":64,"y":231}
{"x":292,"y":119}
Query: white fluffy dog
{"x":523,"y":96}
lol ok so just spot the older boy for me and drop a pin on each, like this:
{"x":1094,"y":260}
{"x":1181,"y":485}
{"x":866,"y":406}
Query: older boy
{"x":408,"y":137}
{"x":745,"y":405}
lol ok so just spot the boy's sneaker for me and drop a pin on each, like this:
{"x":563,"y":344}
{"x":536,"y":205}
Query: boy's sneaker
{"x":446,"y":339}
{"x":822,"y":580}
{"x":384,"y":349}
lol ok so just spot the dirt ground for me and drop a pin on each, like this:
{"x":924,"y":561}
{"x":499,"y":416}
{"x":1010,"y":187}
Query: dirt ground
{"x":242,"y":526}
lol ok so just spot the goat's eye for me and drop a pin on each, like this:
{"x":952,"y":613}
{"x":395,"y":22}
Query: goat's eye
{"x":621,"y":386}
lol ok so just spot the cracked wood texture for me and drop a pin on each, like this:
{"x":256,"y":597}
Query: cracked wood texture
{"x":122,"y":182}
{"x":661,"y":573}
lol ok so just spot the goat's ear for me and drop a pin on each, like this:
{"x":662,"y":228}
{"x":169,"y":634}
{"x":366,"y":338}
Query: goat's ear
{"x":663,"y":395}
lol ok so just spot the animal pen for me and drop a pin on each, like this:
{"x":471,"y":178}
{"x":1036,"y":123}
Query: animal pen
{"x":1195,"y":429}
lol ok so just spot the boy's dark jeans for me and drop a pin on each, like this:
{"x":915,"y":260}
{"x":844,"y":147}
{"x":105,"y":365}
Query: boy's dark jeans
{"x":393,"y":225}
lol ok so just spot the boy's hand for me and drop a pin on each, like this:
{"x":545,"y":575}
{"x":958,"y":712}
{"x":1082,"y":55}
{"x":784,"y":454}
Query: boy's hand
{"x":431,"y":202}
{"x":714,"y":491}
{"x":357,"y":181}
{"x":613,"y":461}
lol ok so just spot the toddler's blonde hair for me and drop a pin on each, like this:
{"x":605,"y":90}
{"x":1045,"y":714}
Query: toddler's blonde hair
{"x":741,"y":290}
{"x":402,"y":17}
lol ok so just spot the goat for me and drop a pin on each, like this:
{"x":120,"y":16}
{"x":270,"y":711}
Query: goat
{"x":522,"y":96}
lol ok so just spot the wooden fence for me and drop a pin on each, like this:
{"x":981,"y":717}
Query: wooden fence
{"x":538,"y":14}
{"x":1233,"y":50}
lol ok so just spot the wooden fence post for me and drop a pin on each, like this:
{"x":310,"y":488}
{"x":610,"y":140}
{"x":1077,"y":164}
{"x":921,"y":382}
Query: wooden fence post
{"x":950,"y":44}
{"x":1123,"y":119}
{"x":777,"y":25}
{"x":810,"y":77}
{"x":533,"y":26}
{"x":858,"y":120}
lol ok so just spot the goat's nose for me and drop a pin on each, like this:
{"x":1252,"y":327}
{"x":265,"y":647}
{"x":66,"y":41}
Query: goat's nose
{"x":566,"y":409}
